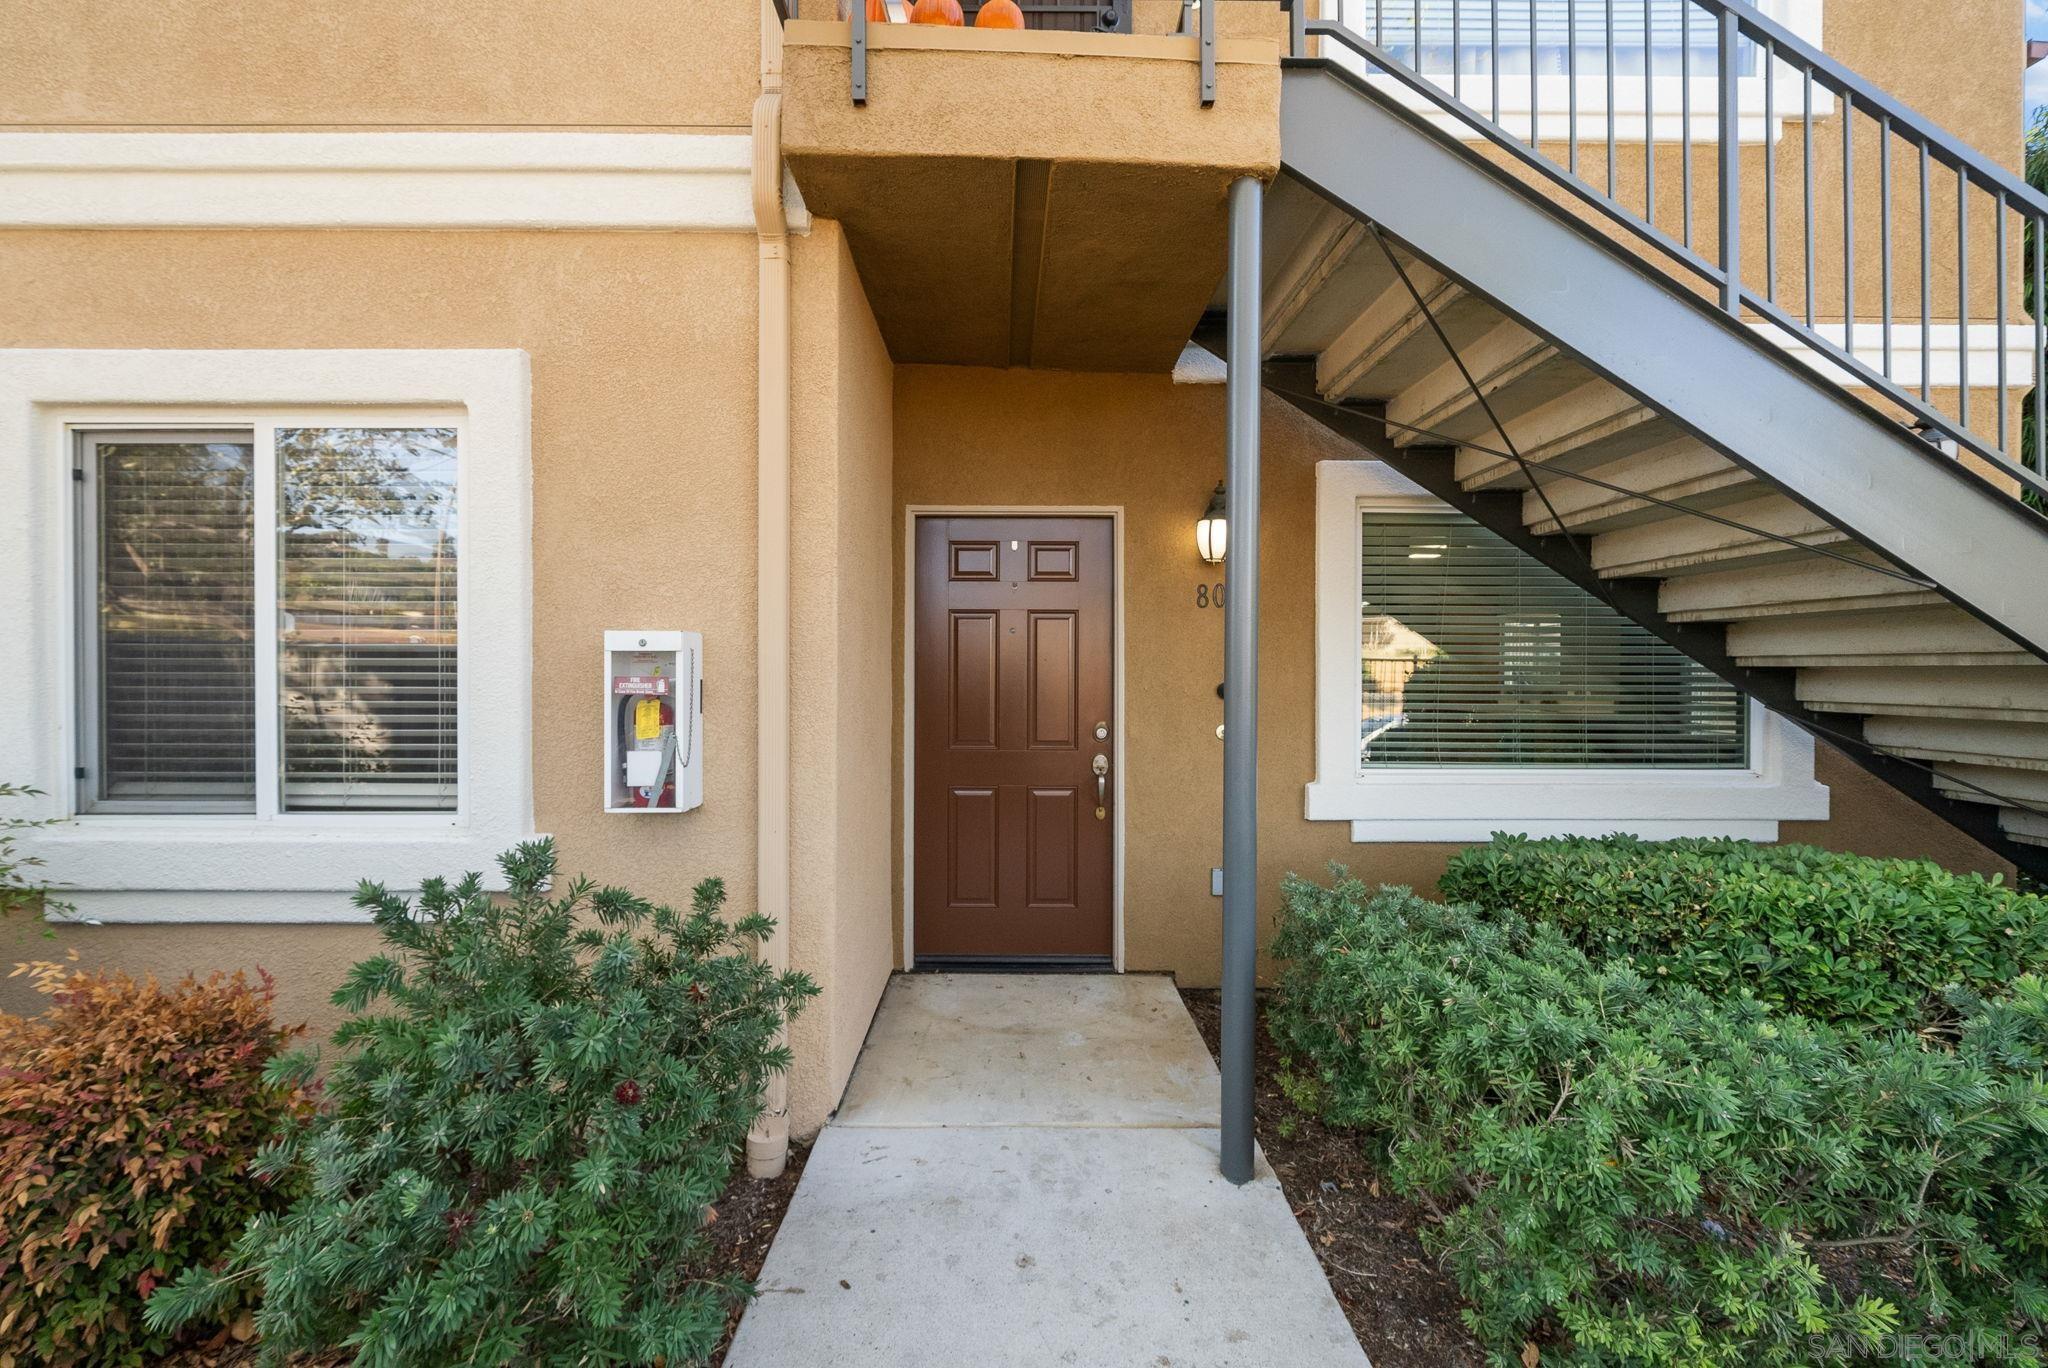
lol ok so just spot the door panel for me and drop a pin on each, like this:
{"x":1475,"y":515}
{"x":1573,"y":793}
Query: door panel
{"x":974,"y":849}
{"x":1014,"y":672}
{"x":1052,"y":825}
{"x":1055,"y":679}
{"x":971,"y":681}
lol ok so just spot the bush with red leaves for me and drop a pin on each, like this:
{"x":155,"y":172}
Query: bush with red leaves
{"x":129,"y":1115}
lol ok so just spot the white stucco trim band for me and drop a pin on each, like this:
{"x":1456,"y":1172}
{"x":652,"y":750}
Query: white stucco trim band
{"x":228,"y":867}
{"x":676,"y":182}
{"x":1408,"y":803}
{"x":1944,"y":343}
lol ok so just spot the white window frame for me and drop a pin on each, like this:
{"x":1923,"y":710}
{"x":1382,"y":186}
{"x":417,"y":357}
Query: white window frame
{"x":1665,"y":93}
{"x":1470,"y":802}
{"x":271,"y":866}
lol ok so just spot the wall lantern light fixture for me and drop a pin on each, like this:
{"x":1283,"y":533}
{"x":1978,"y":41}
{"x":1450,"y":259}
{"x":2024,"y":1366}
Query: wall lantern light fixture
{"x":1213,"y":530}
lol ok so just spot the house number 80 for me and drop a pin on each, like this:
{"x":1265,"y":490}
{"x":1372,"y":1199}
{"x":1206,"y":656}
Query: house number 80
{"x":1208,"y":596}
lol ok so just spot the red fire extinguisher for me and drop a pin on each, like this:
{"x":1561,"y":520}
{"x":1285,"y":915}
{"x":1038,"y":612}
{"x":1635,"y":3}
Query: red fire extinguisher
{"x":648,"y":723}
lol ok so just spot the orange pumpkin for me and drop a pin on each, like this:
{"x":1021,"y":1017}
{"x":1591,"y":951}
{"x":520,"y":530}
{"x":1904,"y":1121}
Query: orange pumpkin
{"x":1001,"y":14}
{"x":878,"y":10}
{"x":937,"y":12}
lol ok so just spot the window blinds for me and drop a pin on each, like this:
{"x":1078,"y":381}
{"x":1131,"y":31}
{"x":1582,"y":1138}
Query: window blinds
{"x":1471,"y":653}
{"x":171,"y":668}
{"x":366,"y":572}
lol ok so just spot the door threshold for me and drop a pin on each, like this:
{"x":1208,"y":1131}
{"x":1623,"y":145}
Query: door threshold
{"x":1014,"y":964}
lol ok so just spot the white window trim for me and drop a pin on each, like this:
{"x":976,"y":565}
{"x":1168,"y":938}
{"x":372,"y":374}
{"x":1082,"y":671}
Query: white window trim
{"x":1463,"y":804}
{"x":237,"y":867}
{"x":1665,"y":93}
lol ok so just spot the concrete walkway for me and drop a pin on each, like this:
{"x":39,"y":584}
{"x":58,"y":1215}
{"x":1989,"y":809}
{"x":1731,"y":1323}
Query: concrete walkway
{"x":1023,"y":1172}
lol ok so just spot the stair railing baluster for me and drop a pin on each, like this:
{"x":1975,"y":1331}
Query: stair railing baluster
{"x":1649,"y":127}
{"x":1770,"y":61}
{"x":1493,"y":52}
{"x":1608,"y":70}
{"x":2040,"y":312}
{"x":1457,"y":53}
{"x":1848,"y":223}
{"x":1685,"y":110}
{"x":1207,"y":43}
{"x":859,"y":55}
{"x":1806,"y":135}
{"x":2004,"y":419}
{"x":1729,"y":98}
{"x":1884,"y":230}
{"x":1963,"y":294}
{"x":1571,"y":82}
{"x":1926,"y":275}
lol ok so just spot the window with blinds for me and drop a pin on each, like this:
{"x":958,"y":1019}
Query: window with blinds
{"x":170,"y":664}
{"x":366,"y":575}
{"x":1472,"y":653}
{"x":1438,"y":37}
{"x":356,"y":529}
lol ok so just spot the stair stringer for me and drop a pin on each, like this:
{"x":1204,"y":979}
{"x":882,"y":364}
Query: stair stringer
{"x":1818,"y":444}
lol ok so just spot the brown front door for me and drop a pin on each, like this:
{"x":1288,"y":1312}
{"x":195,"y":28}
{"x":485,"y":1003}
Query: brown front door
{"x":1014,"y":689}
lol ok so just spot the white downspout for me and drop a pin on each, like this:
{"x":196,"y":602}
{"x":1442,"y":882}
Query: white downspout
{"x":768,"y":1142}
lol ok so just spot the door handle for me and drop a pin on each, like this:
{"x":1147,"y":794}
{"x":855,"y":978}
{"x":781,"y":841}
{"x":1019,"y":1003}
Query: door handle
{"x":1100,"y":764}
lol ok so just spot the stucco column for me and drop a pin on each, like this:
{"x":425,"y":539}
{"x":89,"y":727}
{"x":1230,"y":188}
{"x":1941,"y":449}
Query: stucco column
{"x":768,"y":1141}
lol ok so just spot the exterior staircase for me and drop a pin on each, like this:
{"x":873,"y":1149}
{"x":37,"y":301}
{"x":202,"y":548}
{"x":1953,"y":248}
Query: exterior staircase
{"x":1450,"y":297}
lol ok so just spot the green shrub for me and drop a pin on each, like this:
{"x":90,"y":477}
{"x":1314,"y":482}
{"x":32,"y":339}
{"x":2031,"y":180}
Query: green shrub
{"x":22,"y":886}
{"x":129,"y":1116}
{"x":519,"y":1159}
{"x":1843,"y":938}
{"x":1630,"y":1172}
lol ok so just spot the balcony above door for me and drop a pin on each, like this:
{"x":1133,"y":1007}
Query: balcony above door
{"x":1039,"y":198}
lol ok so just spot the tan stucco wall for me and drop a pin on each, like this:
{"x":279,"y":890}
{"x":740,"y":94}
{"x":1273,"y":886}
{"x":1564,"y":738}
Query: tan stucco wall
{"x":968,"y":437}
{"x":839,"y":732}
{"x":642,"y":350}
{"x":370,"y":63}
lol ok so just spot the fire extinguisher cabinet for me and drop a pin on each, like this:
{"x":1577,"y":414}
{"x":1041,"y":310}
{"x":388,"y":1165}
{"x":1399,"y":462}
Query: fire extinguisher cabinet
{"x":653,"y":721}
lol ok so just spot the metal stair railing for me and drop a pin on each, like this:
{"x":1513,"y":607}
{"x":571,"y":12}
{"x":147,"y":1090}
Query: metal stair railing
{"x":1727,"y":73}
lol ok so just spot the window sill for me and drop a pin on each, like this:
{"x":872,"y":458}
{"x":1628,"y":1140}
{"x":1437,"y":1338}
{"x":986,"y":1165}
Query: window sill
{"x":236,"y":869}
{"x":1423,"y":805}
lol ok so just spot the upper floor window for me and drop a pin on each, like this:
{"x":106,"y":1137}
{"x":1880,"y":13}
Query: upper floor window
{"x":268,"y":623}
{"x":1529,"y":64}
{"x":1441,"y":37}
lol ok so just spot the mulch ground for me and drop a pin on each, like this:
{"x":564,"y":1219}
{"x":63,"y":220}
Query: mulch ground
{"x":748,"y":1215}
{"x":1401,"y":1305}
{"x":749,"y":1212}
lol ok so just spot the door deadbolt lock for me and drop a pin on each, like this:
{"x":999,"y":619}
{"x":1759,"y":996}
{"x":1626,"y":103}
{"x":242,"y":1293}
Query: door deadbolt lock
{"x":1102,"y":731}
